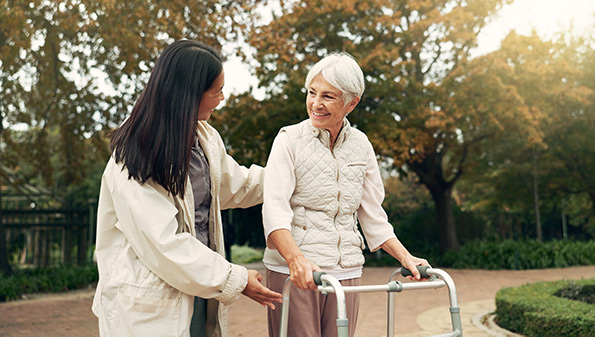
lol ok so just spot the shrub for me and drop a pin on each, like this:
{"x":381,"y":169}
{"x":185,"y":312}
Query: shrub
{"x":245,"y":254}
{"x":521,"y":254}
{"x":577,"y":292}
{"x":51,"y":279}
{"x":509,"y":254}
{"x":535,"y":310}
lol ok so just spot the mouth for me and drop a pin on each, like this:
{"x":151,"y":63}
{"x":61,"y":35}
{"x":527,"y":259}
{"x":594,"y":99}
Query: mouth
{"x":319,"y":114}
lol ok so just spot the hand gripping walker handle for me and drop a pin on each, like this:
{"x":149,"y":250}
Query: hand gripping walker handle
{"x":423,"y":271}
{"x":318,"y":277}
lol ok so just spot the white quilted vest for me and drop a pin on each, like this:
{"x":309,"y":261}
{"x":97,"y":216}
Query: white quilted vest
{"x":327,"y":195}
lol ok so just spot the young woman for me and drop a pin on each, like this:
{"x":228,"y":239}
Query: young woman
{"x":160,"y":244}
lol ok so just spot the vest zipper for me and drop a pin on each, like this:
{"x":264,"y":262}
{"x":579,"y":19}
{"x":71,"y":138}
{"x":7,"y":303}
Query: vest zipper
{"x":338,"y":207}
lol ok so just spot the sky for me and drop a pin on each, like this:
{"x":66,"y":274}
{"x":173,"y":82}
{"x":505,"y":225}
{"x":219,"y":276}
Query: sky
{"x":547,"y":17}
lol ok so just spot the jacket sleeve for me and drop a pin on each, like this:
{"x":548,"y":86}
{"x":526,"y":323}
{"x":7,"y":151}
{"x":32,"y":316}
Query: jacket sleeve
{"x":279,"y":185}
{"x":148,"y":220}
{"x":241,"y":187}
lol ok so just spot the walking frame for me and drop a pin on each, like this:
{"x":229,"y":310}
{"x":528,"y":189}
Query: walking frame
{"x":438,"y":278}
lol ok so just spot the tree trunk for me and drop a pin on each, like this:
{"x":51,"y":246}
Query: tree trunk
{"x":536,"y":200}
{"x":4,"y":265}
{"x":449,"y":240}
{"x":429,"y":172}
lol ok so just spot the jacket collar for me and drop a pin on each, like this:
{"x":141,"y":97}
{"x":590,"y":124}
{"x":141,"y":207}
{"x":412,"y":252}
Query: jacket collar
{"x":325,"y":136}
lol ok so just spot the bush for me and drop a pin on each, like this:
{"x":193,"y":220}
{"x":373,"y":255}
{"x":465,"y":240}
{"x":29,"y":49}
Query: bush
{"x":520,"y":254}
{"x":245,"y":254}
{"x":509,"y":254}
{"x":576,"y":292}
{"x":51,"y":279}
{"x":535,"y":310}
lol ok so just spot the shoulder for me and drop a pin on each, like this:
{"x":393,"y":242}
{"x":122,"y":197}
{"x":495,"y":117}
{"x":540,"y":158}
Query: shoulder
{"x":359,"y":136}
{"x":298,"y":129}
{"x":298,"y":126}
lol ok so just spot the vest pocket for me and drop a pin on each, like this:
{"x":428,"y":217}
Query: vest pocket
{"x":356,"y":172}
{"x":299,"y":226}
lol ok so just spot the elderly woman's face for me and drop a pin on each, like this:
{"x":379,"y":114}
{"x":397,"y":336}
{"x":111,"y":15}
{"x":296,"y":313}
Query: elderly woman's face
{"x":325,"y":106}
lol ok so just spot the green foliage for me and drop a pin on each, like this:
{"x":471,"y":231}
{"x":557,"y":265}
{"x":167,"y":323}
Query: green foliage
{"x":534,"y":310}
{"x":508,"y":254}
{"x":52,"y":279}
{"x":577,"y":292}
{"x":521,"y":254}
{"x":245,"y":254}
{"x":71,"y":71}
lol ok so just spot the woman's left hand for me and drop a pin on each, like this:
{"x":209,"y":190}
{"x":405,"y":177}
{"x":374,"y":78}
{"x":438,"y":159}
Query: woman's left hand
{"x":411,"y":262}
{"x":261,"y":294}
{"x":395,"y":248}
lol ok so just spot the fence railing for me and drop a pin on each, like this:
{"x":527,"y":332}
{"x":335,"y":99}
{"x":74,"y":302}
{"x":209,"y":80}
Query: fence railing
{"x":46,"y":237}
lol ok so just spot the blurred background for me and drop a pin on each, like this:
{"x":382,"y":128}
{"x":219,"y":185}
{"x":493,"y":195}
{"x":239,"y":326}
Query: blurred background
{"x":481,"y":113}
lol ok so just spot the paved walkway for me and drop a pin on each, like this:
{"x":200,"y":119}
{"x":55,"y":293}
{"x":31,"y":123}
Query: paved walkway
{"x":419,"y":312}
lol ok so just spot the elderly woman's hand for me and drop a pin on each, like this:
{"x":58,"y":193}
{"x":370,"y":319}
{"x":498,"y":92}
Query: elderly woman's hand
{"x":394,"y":247}
{"x":300,"y":271}
{"x":411,"y":262}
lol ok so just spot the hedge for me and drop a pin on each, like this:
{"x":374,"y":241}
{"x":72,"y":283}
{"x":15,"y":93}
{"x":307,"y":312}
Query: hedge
{"x":520,"y":254}
{"x":535,"y":310}
{"x":42,"y":280}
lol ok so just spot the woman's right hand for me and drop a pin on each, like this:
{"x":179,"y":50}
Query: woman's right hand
{"x":300,"y":272}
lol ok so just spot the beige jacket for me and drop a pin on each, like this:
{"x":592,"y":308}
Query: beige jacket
{"x":150,"y":263}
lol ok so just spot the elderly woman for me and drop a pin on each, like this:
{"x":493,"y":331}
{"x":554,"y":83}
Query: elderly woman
{"x":325,"y":179}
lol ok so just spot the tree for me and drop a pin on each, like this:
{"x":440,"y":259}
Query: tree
{"x":550,"y":160}
{"x":407,"y":50}
{"x":70,"y":71}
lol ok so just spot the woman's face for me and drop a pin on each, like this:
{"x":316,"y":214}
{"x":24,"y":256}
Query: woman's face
{"x":325,"y":106}
{"x":211,"y":98}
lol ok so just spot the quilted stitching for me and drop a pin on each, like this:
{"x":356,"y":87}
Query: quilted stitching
{"x":329,"y":185}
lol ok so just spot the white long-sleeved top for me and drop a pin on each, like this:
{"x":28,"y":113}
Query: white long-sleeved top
{"x":280,"y":184}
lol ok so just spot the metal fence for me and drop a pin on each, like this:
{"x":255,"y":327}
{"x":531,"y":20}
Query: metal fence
{"x":45,"y":237}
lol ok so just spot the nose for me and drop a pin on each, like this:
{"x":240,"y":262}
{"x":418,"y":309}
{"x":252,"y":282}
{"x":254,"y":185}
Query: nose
{"x":316,"y":102}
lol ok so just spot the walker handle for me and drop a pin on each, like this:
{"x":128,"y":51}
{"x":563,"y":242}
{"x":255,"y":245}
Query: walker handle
{"x":423,"y":271}
{"x":318,"y":277}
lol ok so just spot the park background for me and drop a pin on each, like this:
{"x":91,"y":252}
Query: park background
{"x":481,"y":113}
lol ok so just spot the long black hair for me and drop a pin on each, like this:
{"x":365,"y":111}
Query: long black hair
{"x":155,"y":142}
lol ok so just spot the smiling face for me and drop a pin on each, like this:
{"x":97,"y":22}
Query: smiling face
{"x":211,"y":98}
{"x":325,"y":106}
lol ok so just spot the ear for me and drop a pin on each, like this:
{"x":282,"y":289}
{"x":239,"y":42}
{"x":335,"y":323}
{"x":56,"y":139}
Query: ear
{"x":352,"y":104}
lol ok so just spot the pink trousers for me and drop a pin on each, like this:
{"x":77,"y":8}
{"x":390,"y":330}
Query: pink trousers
{"x":311,"y":314}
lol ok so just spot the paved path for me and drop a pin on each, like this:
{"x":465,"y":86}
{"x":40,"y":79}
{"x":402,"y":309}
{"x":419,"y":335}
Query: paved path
{"x":419,"y":313}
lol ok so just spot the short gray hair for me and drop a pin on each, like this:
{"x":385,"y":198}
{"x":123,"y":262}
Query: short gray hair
{"x":342,"y":72}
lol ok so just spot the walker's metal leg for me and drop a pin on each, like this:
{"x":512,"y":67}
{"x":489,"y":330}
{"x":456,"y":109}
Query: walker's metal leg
{"x":390,"y":322}
{"x":285,"y":309}
{"x":342,"y":321}
{"x":455,"y":310}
